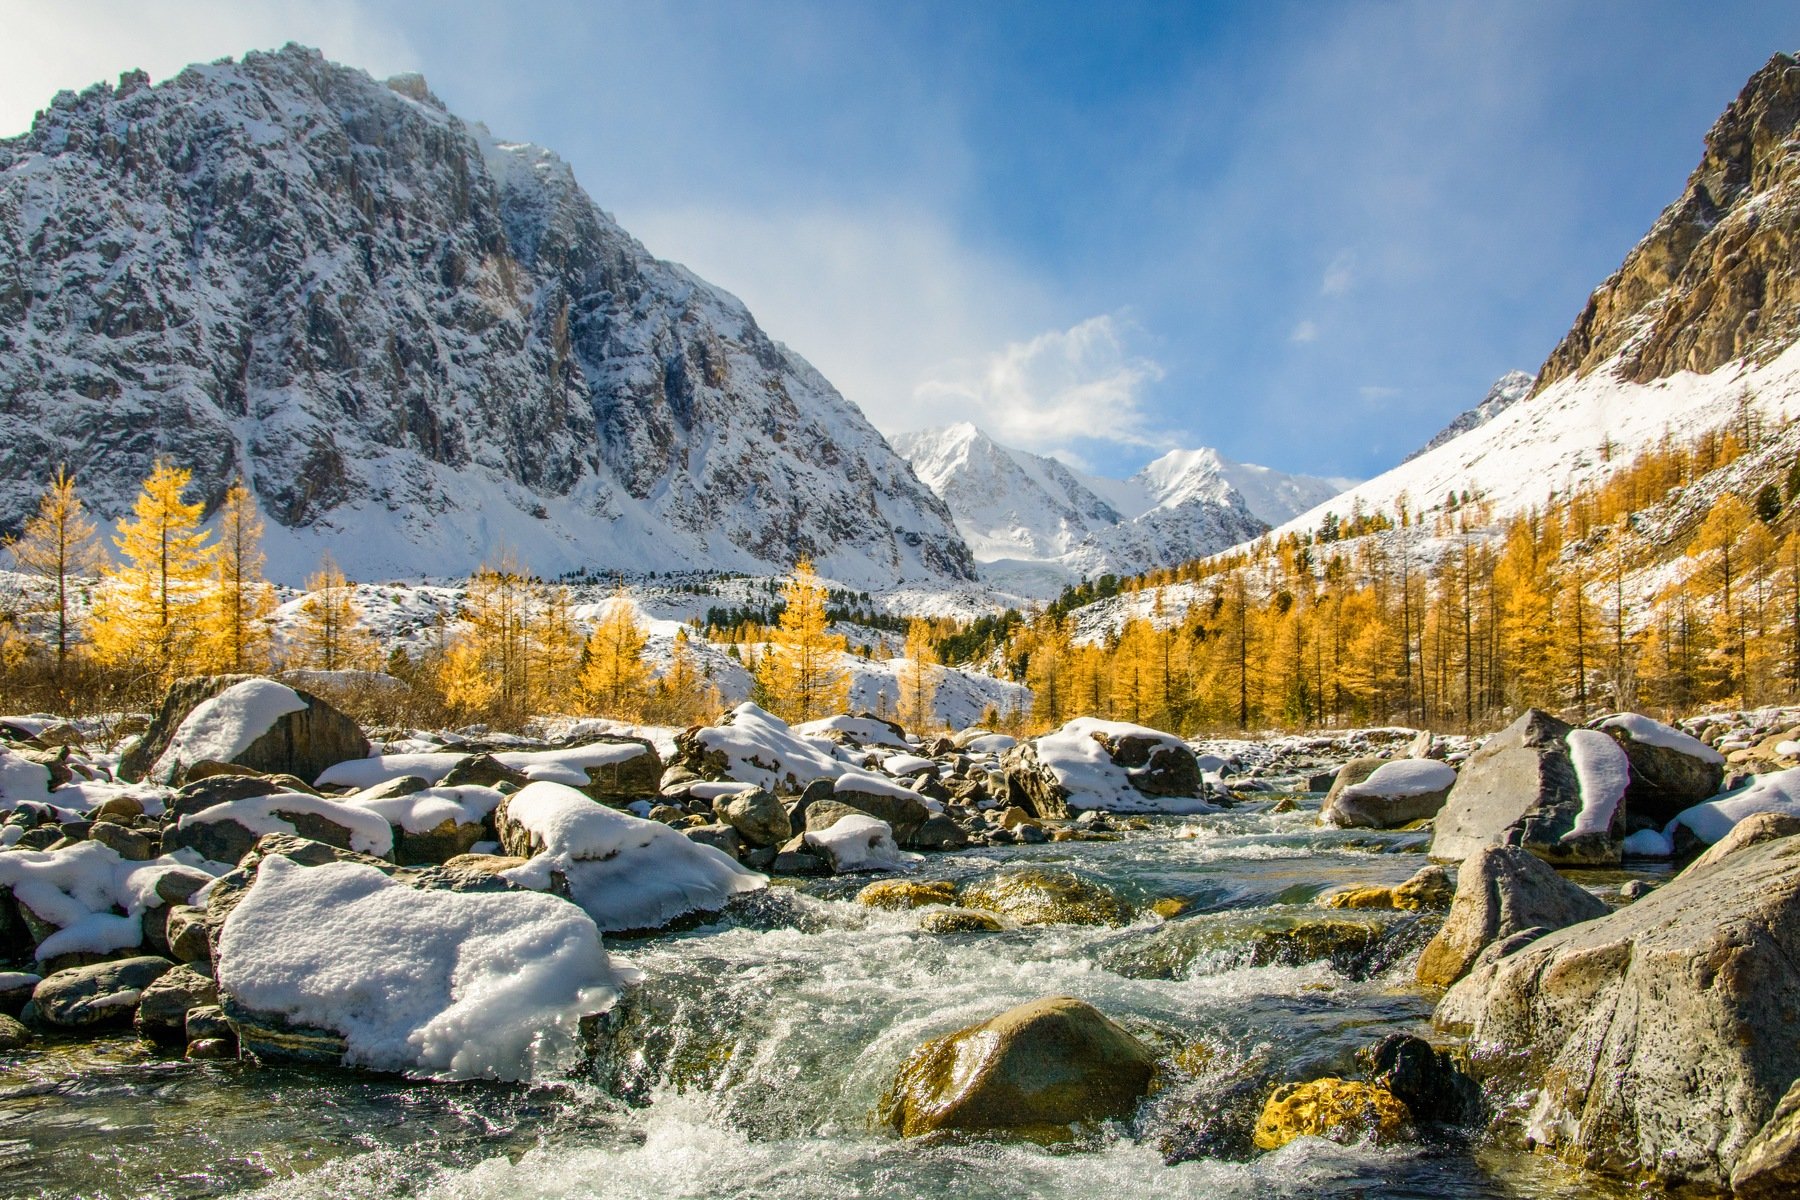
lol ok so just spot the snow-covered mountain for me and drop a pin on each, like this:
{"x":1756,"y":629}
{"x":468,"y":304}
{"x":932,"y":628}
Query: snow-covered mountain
{"x":1699,"y":323}
{"x":1506,"y":391}
{"x":1036,"y":525}
{"x":418,"y":344}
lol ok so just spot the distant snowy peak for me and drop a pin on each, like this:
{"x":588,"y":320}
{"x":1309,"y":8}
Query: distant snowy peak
{"x":1507,"y":391}
{"x":417,"y":344}
{"x":1034,"y":523}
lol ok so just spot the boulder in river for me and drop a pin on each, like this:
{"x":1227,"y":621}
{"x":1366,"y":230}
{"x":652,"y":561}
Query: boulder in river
{"x":1394,"y":794}
{"x":1339,"y":1110}
{"x":1108,"y":765}
{"x":1657,"y":1040}
{"x":104,"y":994}
{"x":1536,"y":786}
{"x":1670,"y":770}
{"x":1034,"y":1071}
{"x":1501,"y":891}
{"x":1046,"y":896}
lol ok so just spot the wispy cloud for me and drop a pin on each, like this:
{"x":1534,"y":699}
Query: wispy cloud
{"x":1339,"y":276}
{"x":1305,"y":331}
{"x":1071,"y":385}
{"x":1375,"y":393}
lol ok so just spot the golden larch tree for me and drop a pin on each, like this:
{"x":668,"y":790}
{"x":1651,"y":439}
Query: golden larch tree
{"x":801,"y":674}
{"x":57,"y":547}
{"x":236,"y":633}
{"x":919,"y":679}
{"x":615,"y":678}
{"x":148,"y":614}
{"x":329,"y":635}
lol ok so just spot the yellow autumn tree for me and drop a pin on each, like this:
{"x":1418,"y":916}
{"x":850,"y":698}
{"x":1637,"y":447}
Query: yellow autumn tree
{"x":615,"y":678}
{"x":553,"y":648}
{"x":919,"y":679}
{"x":488,"y":660}
{"x":683,"y":695}
{"x":148,"y":614}
{"x":1049,"y":672}
{"x":58,"y":548}
{"x":800,"y":676}
{"x":329,"y":635}
{"x":236,"y":623}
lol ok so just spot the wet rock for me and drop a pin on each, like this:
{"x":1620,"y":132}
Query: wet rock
{"x":895,"y":894}
{"x":204,"y":1049}
{"x":1046,"y":896}
{"x":1501,"y":891}
{"x":1520,"y":789}
{"x":163,"y":1008}
{"x":1339,"y":1110}
{"x":1658,"y":1038}
{"x":104,"y":994}
{"x":13,"y":1034}
{"x":959,"y":920}
{"x":1428,"y":890}
{"x":208,"y":1021}
{"x":15,"y":990}
{"x":1425,"y":1079}
{"x":757,"y":816}
{"x":1034,"y":1071}
{"x":939,"y":832}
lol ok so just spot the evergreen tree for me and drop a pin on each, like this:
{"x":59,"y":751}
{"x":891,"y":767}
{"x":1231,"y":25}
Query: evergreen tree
{"x":57,"y":547}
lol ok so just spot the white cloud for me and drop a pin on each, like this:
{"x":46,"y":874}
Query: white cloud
{"x":1339,"y":275}
{"x":1375,"y":394}
{"x":882,"y":301}
{"x":1076,"y":384}
{"x":52,"y":46}
{"x":1305,"y":331}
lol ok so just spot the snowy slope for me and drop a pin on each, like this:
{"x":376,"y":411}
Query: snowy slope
{"x":1035,"y":525}
{"x":1507,"y":391}
{"x":417,"y":343}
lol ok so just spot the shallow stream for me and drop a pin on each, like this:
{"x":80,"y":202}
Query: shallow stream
{"x":755,"y":1058}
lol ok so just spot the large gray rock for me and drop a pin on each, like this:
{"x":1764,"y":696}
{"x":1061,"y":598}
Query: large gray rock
{"x":1665,"y":779}
{"x":757,"y":815}
{"x":301,"y":743}
{"x":904,"y":813}
{"x":1769,"y":1168}
{"x":1392,"y":795}
{"x":1501,"y":891}
{"x":1520,"y":789}
{"x":97,"y":996}
{"x":1658,"y":1039}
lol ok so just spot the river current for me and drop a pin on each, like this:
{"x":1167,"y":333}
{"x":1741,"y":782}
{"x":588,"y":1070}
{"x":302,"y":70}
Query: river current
{"x":753,"y":1061}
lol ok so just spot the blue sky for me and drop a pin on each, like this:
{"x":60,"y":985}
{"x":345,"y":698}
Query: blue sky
{"x":1307,"y":234}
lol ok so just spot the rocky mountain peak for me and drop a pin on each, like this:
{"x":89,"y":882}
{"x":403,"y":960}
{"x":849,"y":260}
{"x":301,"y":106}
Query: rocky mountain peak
{"x":1718,"y":276}
{"x":415,"y":342}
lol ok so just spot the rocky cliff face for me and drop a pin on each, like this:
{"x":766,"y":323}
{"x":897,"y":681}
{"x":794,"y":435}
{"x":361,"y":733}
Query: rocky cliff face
{"x":1717,"y":278}
{"x":414,"y":342}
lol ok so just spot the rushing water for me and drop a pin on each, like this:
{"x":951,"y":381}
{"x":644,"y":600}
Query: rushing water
{"x":753,"y":1061}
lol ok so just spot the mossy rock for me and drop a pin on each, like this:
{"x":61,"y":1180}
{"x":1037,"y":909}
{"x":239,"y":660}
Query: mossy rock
{"x":1428,"y":891}
{"x":896,"y":894}
{"x":960,"y":920}
{"x":1037,"y":1071}
{"x":1043,"y":896}
{"x":1339,"y":1110}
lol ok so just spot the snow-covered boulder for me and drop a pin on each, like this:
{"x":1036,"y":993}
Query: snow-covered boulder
{"x":864,"y":730}
{"x":611,"y":768}
{"x":628,"y":873}
{"x":1110,"y":765}
{"x":340,"y":963}
{"x":1670,"y":770}
{"x":859,"y":842}
{"x":1534,"y":785}
{"x":885,"y":800}
{"x":752,"y":745}
{"x":244,"y":720}
{"x":22,"y":780}
{"x":434,"y":824}
{"x":1394,"y":794}
{"x":1709,"y":822}
{"x":85,"y":900}
{"x":225,"y":832}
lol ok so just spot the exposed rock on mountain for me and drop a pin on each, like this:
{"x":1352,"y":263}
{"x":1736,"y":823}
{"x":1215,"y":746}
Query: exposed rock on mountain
{"x":1507,"y":391}
{"x":413,"y":340}
{"x":1718,"y":276}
